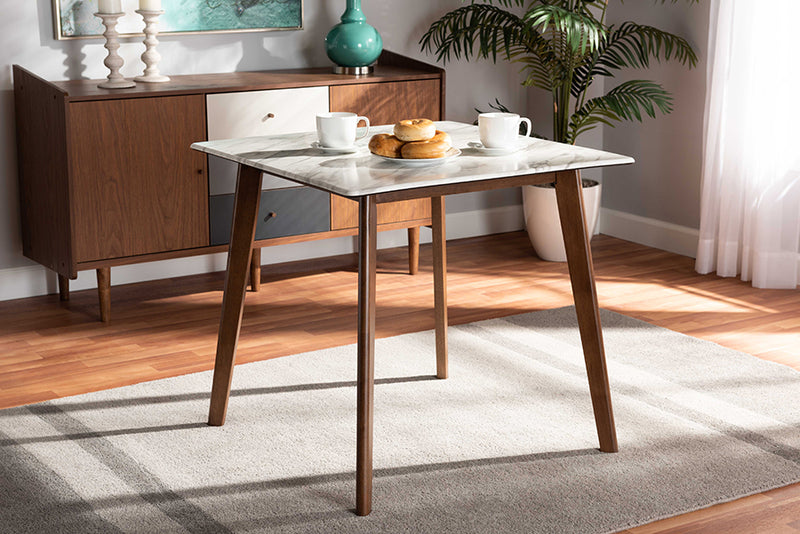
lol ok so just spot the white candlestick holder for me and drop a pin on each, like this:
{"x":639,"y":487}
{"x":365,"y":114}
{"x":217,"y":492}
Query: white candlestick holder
{"x":113,"y":61}
{"x":151,"y":57}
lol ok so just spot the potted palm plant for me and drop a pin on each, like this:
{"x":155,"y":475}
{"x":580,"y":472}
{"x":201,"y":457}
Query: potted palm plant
{"x":562,"y":46}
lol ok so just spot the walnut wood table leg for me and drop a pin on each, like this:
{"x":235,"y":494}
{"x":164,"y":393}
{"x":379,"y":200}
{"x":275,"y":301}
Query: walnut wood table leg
{"x":245,"y":212}
{"x":581,"y":273}
{"x":440,"y":283}
{"x":367,"y":245}
{"x":104,"y":292}
{"x":63,"y":287}
{"x":255,"y":270}
{"x":413,"y":250}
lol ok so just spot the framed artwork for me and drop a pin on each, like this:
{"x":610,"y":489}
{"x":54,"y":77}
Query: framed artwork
{"x":74,"y":19}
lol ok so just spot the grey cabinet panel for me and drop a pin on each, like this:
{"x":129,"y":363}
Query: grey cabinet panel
{"x":282,"y":212}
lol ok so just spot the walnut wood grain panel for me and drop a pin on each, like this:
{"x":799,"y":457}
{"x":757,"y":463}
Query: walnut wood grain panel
{"x":467,"y":187}
{"x":187,"y":84}
{"x":43,"y":182}
{"x":344,"y":212}
{"x":138,"y":189}
{"x":385,"y":103}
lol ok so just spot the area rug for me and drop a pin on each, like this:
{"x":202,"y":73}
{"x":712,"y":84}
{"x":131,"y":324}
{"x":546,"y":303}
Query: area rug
{"x":506,"y":444}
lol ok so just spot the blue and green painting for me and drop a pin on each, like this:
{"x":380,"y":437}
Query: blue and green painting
{"x":77,"y":18}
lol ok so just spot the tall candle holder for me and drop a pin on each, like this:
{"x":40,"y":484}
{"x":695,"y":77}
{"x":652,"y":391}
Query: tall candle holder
{"x":151,"y":57}
{"x":113,"y":61}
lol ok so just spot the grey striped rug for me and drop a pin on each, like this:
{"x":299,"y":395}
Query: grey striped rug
{"x":506,"y":444}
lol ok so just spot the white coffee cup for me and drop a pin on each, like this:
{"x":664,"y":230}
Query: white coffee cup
{"x":501,"y":130}
{"x":338,"y":129}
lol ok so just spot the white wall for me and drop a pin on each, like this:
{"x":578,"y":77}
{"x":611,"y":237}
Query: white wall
{"x":26,"y":38}
{"x":656,"y":201}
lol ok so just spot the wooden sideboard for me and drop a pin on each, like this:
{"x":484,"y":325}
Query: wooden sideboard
{"x":107,"y":177}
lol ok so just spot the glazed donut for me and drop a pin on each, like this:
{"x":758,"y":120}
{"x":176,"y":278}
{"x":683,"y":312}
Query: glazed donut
{"x":425,"y":149}
{"x":385,"y":145}
{"x":415,"y":129}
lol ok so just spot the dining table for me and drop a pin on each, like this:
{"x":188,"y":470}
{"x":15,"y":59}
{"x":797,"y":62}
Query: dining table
{"x":371,"y":180}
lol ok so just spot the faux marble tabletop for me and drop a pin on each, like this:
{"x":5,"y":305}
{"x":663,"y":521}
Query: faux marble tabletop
{"x":361,"y":173}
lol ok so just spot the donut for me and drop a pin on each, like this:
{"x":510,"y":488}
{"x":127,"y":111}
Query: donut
{"x":415,"y":129}
{"x":385,"y":145}
{"x":425,"y":149}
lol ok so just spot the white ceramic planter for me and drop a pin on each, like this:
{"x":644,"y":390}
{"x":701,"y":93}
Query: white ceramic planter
{"x":543,"y":223}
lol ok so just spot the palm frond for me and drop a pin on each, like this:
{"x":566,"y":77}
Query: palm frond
{"x":581,"y":124}
{"x":579,"y":31}
{"x":504,"y":3}
{"x":538,"y":73}
{"x":478,"y":30}
{"x":628,"y":101}
{"x":632,"y":45}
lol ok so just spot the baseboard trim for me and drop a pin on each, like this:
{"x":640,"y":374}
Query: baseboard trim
{"x":650,"y":232}
{"x":35,"y":280}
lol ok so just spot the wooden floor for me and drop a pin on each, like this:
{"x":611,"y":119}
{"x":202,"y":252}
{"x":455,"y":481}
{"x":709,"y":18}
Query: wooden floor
{"x":165,"y":328}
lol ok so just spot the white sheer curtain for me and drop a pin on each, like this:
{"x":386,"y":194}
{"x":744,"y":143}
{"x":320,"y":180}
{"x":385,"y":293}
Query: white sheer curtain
{"x":750,"y":207}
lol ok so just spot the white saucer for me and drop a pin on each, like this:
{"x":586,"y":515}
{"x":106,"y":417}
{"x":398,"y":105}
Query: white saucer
{"x":330,"y":150}
{"x":495,"y":151}
{"x":450,"y":154}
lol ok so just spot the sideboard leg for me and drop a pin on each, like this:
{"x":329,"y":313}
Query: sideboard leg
{"x":413,"y":250}
{"x":255,"y":270}
{"x":63,"y":287}
{"x":104,"y":292}
{"x":581,"y":273}
{"x":440,"y":283}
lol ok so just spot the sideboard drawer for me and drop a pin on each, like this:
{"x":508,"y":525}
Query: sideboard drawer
{"x":273,"y":112}
{"x":282,"y":212}
{"x":254,"y":113}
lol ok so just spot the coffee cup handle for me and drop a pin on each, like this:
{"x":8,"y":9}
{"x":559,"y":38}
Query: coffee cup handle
{"x":366,"y":130}
{"x":529,"y":130}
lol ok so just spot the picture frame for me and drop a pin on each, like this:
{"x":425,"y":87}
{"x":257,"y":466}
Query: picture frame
{"x":75,"y":19}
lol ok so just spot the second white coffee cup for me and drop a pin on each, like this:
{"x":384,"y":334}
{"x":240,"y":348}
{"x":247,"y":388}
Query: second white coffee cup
{"x":501,"y":130}
{"x":339,"y":129}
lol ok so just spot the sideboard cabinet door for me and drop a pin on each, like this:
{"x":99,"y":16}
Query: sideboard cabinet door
{"x":385,"y":103}
{"x":137,"y":187}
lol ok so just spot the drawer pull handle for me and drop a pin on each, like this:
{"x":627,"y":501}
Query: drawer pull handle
{"x":270,"y":215}
{"x":267,"y":116}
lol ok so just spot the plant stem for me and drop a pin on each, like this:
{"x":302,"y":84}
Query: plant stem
{"x":603,"y":14}
{"x":561,"y":113}
{"x":556,"y":123}
{"x":565,"y":98}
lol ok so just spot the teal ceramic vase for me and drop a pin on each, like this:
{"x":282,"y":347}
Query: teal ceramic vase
{"x":353,"y":42}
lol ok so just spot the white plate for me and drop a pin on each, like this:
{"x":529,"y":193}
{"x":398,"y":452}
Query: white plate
{"x":496,"y":151}
{"x":328,"y":150}
{"x":448,"y":156}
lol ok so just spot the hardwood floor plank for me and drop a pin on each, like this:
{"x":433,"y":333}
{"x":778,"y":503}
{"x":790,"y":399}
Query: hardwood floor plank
{"x":163,"y":328}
